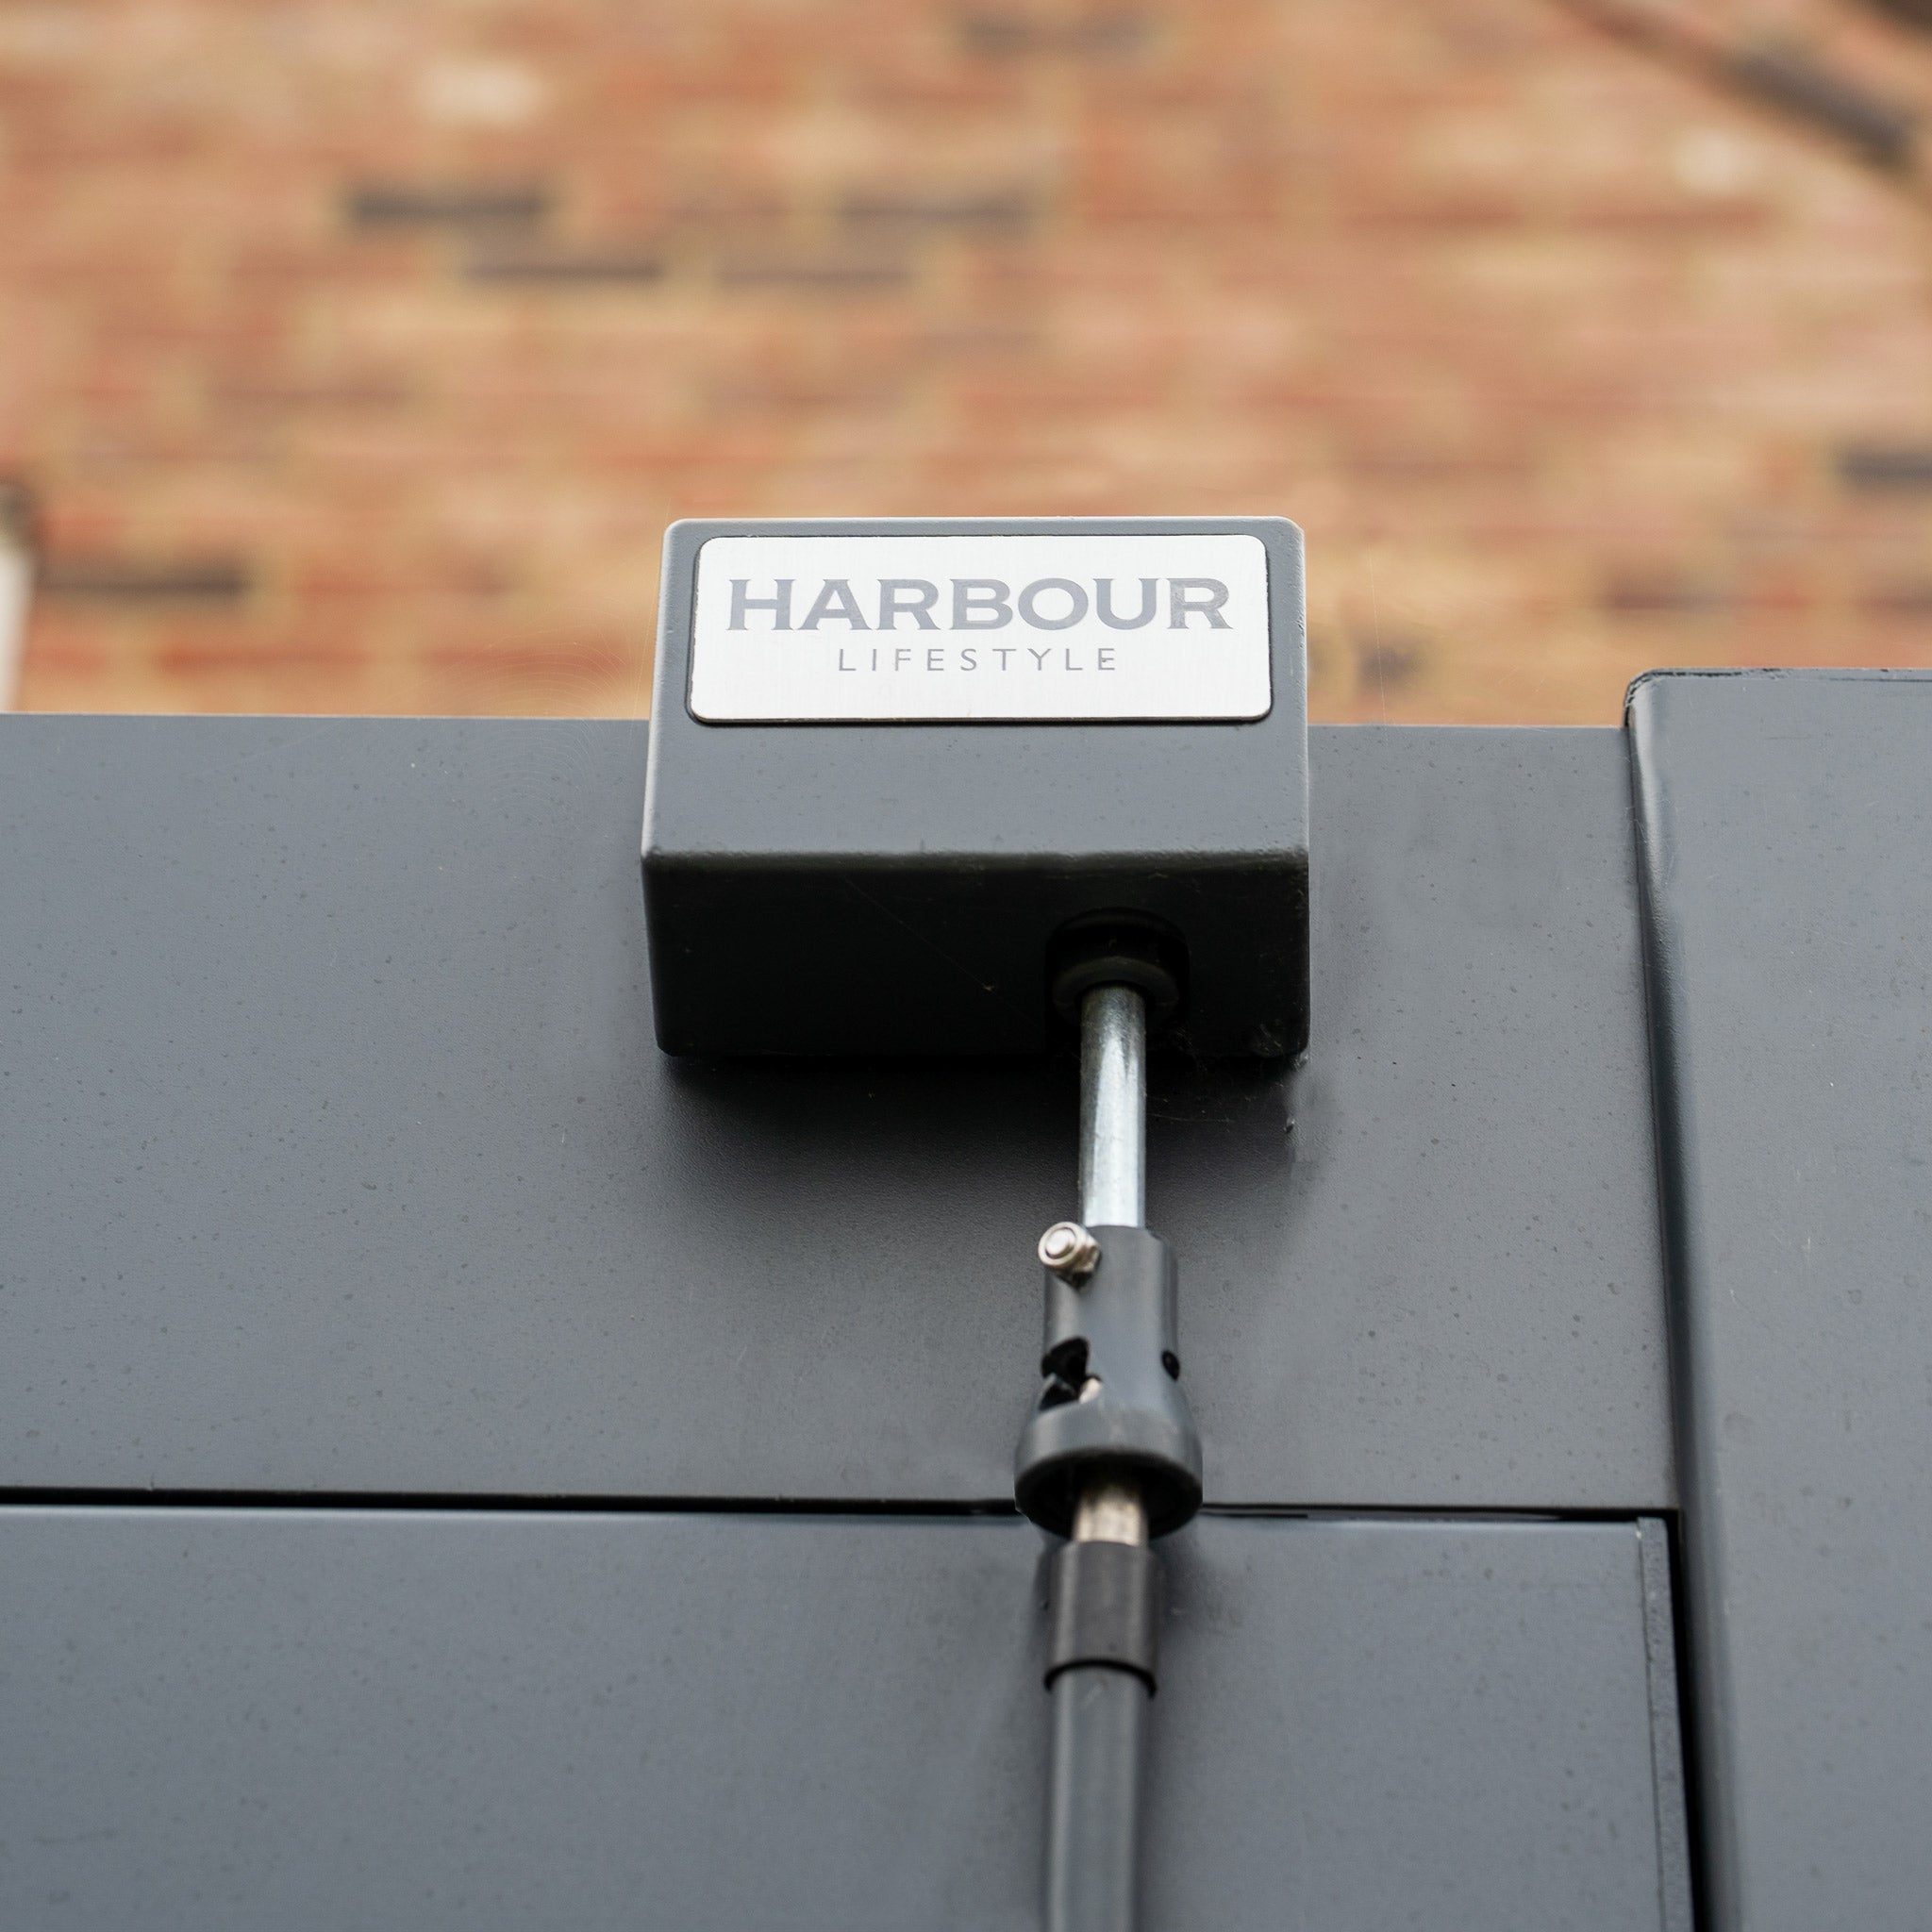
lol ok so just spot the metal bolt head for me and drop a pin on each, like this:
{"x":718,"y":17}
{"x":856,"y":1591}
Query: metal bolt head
{"x":1067,"y":1250}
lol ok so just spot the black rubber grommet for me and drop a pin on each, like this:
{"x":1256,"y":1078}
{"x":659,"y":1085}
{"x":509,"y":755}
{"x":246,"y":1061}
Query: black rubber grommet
{"x":1118,"y":948}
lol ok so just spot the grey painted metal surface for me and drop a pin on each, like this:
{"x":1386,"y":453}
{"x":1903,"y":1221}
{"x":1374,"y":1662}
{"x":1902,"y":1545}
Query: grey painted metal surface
{"x":317,"y":1719}
{"x":1790,"y":903}
{"x":340,"y":1157}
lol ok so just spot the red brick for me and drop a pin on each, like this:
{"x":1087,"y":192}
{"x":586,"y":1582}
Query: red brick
{"x":1504,"y":310}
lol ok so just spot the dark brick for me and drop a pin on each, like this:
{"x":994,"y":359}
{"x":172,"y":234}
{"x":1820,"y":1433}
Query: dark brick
{"x":1898,"y":466}
{"x":564,"y":269}
{"x":200,"y":580}
{"x":405,"y":205}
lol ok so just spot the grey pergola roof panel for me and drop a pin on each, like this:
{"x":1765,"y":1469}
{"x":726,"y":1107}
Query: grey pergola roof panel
{"x":341,"y":1159}
{"x":1784,"y":825}
{"x":319,"y":1720}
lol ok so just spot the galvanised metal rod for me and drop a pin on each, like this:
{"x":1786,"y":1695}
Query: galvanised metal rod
{"x":1110,"y":1511}
{"x":1114,"y":1107}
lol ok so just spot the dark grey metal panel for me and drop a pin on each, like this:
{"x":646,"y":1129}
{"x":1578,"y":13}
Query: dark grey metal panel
{"x":321,"y":1720}
{"x":1790,"y":903}
{"x":339,"y":1156}
{"x":1455,"y":1297}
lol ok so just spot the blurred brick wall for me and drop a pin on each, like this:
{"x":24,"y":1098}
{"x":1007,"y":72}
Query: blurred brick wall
{"x":357,"y":354}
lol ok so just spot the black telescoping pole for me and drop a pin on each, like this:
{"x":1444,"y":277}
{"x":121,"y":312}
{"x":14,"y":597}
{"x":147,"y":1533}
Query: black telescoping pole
{"x":1093,"y":1807}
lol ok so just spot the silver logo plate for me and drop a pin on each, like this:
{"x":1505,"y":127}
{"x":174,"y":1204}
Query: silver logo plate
{"x":1040,"y":627}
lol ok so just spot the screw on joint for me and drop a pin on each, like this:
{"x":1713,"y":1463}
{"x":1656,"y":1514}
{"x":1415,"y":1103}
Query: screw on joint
{"x":1070,"y":1251}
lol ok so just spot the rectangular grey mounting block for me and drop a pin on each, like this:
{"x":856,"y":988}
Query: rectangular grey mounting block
{"x":898,"y":887}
